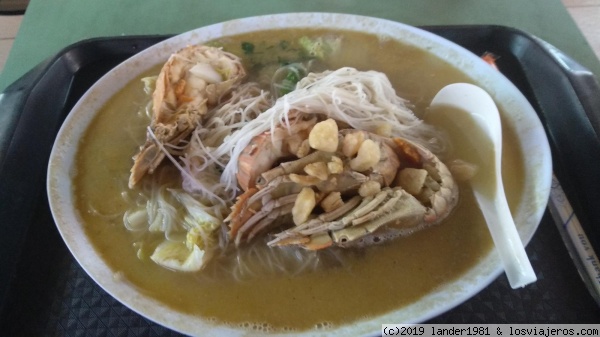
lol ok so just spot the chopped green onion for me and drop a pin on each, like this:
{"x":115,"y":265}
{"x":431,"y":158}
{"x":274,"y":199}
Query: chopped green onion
{"x":247,"y":47}
{"x":286,"y":77}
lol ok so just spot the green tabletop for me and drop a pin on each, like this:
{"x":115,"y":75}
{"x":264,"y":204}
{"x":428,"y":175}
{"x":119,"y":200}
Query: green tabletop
{"x":50,"y":25}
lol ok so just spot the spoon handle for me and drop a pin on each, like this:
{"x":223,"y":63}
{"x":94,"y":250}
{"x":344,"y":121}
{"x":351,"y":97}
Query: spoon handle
{"x":506,"y":238}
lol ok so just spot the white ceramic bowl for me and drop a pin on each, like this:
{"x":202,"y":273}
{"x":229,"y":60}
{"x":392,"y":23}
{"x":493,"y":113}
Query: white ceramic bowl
{"x":520,"y":116}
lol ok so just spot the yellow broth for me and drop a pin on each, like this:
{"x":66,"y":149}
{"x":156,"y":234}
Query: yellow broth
{"x":383,"y":279}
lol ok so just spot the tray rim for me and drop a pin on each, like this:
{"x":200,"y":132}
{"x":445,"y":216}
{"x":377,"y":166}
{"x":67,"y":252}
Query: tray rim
{"x":93,"y":40}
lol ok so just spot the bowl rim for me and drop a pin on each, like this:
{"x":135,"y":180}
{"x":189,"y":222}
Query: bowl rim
{"x":61,"y":165}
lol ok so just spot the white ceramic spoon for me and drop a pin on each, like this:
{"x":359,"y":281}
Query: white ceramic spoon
{"x":474,"y":115}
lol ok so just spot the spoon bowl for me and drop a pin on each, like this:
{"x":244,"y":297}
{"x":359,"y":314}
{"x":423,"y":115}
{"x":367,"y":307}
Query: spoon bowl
{"x":473,"y":113}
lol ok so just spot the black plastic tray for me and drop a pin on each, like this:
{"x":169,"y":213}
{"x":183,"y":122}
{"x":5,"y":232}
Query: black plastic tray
{"x":43,"y":291}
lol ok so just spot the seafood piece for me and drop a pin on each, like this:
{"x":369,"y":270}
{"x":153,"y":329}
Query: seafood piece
{"x":392,"y":188}
{"x":267,"y":148}
{"x":390,"y":213}
{"x":191,"y":82}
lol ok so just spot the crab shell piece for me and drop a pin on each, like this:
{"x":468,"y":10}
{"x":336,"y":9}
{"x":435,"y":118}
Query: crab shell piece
{"x":192,"y":81}
{"x":390,"y":214}
{"x":358,"y":220}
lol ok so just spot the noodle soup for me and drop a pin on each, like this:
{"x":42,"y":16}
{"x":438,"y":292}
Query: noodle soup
{"x":252,"y":287}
